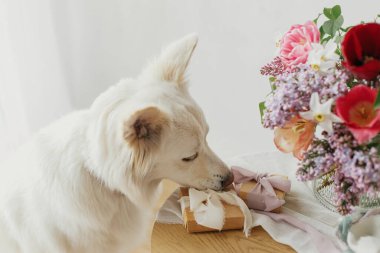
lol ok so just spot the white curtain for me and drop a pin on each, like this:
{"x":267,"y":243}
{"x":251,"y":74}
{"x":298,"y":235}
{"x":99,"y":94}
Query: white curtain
{"x":56,"y":55}
{"x":32,"y":85}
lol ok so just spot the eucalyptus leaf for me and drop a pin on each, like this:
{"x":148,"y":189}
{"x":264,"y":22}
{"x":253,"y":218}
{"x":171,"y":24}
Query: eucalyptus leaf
{"x":328,"y":13}
{"x":339,"y":21}
{"x":338,"y":39}
{"x":328,"y":27}
{"x":321,"y":32}
{"x":336,"y":11}
{"x":332,"y":26}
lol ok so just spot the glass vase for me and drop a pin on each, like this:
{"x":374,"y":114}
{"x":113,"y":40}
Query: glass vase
{"x":323,"y":188}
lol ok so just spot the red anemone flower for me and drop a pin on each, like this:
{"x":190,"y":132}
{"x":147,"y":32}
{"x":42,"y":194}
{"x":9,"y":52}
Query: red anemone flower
{"x":357,"y":111}
{"x":361,"y":50}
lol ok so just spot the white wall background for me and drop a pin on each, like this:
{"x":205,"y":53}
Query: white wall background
{"x":91,"y":44}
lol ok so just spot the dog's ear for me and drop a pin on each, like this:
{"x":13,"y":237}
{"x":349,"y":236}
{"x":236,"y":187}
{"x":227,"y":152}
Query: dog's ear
{"x":144,"y":128}
{"x":171,"y":65}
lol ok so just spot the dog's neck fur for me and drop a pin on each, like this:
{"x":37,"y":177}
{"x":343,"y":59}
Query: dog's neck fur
{"x":110,"y":159}
{"x":101,"y":206}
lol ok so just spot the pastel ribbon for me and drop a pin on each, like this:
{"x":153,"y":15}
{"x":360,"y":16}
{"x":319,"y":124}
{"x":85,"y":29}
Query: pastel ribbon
{"x":208,"y":209}
{"x":262,"y":196}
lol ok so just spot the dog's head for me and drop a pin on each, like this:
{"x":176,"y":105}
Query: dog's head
{"x":155,"y":127}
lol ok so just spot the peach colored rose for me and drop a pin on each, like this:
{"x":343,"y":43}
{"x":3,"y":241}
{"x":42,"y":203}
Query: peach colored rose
{"x":295,"y":136}
{"x":296,"y":43}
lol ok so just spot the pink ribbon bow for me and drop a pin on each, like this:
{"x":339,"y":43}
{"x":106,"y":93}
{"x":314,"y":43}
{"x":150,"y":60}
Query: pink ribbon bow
{"x":262,"y":196}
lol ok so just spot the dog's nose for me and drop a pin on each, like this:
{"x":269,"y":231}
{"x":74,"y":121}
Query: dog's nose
{"x":228,"y":180}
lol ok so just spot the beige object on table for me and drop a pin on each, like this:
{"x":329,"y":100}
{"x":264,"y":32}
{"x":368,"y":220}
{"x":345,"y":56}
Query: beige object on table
{"x":173,"y":238}
{"x":234,"y":217}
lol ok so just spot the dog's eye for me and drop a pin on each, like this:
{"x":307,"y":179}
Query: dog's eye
{"x":190,"y":158}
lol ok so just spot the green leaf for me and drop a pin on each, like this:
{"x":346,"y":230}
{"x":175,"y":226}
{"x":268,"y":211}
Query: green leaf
{"x":338,"y":39}
{"x":339,"y":52}
{"x":328,"y":13}
{"x":336,"y":11}
{"x":377,"y":102}
{"x":326,"y":39}
{"x":339,"y":22}
{"x":332,"y":13}
{"x":332,"y":26}
{"x":328,"y":27}
{"x":321,"y":32}
{"x":272,"y":79}
{"x":352,"y":83}
{"x":375,"y":142}
{"x":376,"y":139}
{"x":262,"y":108}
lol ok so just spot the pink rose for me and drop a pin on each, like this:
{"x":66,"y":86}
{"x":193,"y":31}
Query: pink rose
{"x":296,"y":43}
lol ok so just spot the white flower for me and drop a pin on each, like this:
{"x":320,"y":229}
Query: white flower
{"x":323,"y":58}
{"x":321,"y":113}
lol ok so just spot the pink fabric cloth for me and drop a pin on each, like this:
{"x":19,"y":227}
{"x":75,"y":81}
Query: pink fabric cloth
{"x":322,"y":242}
{"x":262,"y":197}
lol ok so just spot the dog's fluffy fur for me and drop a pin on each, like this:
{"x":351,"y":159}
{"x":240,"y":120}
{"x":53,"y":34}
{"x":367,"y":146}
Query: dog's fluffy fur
{"x":87,"y":183}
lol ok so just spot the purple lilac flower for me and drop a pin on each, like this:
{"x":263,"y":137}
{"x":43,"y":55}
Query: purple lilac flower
{"x":359,"y":169}
{"x":364,"y":168}
{"x":293,"y":92}
{"x":274,"y":68}
{"x":318,"y":160}
{"x":346,"y":193}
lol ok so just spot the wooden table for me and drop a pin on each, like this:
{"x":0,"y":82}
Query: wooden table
{"x":173,"y":238}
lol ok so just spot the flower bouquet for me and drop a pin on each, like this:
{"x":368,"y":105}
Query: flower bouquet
{"x":324,"y":105}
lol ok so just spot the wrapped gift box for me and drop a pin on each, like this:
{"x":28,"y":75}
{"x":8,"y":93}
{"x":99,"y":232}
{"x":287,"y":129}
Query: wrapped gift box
{"x":234,"y":218}
{"x":246,"y":188}
{"x":261,"y":191}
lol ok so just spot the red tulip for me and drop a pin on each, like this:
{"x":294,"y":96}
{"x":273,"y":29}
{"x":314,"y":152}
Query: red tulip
{"x":357,"y":111}
{"x":361,"y":50}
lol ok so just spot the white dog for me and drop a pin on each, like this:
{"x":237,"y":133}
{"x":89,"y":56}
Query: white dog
{"x":88,"y":182}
